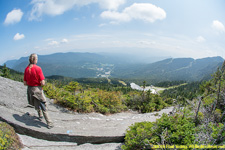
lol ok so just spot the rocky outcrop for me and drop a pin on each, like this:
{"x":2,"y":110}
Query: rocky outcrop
{"x":68,"y":126}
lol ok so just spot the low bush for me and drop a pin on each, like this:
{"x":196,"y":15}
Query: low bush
{"x":91,"y":100}
{"x":168,"y":130}
{"x":74,"y":97}
{"x":9,"y":140}
{"x":145,"y":102}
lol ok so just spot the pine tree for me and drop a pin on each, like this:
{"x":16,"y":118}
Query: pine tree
{"x":72,"y":87}
{"x":5,"y":72}
{"x":223,"y":67}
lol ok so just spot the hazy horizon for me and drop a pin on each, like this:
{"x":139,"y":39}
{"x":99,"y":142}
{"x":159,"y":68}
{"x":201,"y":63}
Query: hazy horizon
{"x":144,"y":28}
{"x":132,"y":58}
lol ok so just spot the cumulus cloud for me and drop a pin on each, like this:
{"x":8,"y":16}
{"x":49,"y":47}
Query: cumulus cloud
{"x":19,"y":36}
{"x":13,"y":17}
{"x":218,"y":26}
{"x":145,"y":11}
{"x":139,"y":11}
{"x":58,"y":7}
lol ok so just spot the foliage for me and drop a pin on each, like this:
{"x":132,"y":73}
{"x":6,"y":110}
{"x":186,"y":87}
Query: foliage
{"x":177,"y":129}
{"x":145,"y":102}
{"x":139,"y":135}
{"x":11,"y":74}
{"x":86,"y":83}
{"x":108,"y":98}
{"x":167,"y":84}
{"x":5,"y":72}
{"x":212,"y":125}
{"x":8,"y":138}
{"x":188,"y":91}
{"x":72,"y":87}
{"x":91,"y":100}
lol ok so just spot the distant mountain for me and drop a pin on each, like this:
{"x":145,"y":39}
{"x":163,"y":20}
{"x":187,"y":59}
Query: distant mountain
{"x":91,"y":65}
{"x":70,"y":64}
{"x":11,"y":63}
{"x":187,"y":69}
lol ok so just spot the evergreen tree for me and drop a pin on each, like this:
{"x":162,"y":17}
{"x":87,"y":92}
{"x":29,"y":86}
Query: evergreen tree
{"x":72,"y":87}
{"x":5,"y":72}
{"x":223,"y":67}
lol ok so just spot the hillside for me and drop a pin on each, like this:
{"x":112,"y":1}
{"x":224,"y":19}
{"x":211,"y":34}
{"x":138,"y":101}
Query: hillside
{"x":187,"y":69}
{"x":91,"y":65}
{"x":65,"y":64}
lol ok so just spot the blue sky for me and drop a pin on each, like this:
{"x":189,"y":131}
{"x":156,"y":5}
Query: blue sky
{"x":168,"y":28}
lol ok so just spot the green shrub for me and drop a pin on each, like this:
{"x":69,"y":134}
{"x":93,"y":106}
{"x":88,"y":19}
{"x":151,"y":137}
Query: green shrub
{"x":91,"y":100}
{"x":217,"y":129}
{"x":95,"y":100}
{"x":139,"y":135}
{"x":8,"y":138}
{"x":5,"y":72}
{"x":145,"y":102}
{"x":170,"y":130}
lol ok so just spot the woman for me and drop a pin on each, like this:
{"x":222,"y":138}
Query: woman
{"x":34,"y":79}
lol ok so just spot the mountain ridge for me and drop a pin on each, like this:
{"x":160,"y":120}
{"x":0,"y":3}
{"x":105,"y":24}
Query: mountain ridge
{"x":92,"y":65}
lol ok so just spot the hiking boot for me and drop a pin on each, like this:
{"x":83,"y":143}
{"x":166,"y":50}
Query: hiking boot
{"x":29,"y":106}
{"x":50,"y":126}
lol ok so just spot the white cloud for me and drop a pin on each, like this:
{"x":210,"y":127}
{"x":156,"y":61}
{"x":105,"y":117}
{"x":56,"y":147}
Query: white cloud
{"x":146,"y":12}
{"x":64,"y":41}
{"x":218,"y":26}
{"x":13,"y":17}
{"x":58,"y":7}
{"x":49,"y":7}
{"x":53,"y":43}
{"x":200,"y":39}
{"x":111,"y":4}
{"x":19,"y":36}
{"x":140,"y":11}
{"x":113,"y":15}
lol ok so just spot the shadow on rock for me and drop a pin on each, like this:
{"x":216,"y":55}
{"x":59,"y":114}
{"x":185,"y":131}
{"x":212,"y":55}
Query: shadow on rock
{"x":29,"y":120}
